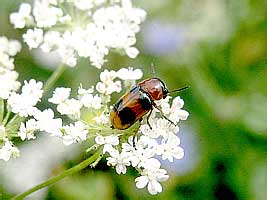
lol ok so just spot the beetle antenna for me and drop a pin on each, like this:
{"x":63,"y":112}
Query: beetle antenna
{"x":180,"y":89}
{"x":153,"y":69}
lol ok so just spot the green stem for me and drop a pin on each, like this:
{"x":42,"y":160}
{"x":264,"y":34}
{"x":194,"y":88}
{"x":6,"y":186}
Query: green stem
{"x":54,"y":77}
{"x":2,"y":109}
{"x":6,"y":118}
{"x":14,"y":118}
{"x":64,"y":174}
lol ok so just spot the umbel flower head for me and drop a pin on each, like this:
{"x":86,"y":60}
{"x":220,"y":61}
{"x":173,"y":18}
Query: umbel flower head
{"x":15,"y":106}
{"x":80,"y":28}
{"x":89,"y":112}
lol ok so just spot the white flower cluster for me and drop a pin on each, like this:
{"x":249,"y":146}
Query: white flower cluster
{"x":150,"y":143}
{"x":80,"y":28}
{"x":160,"y":140}
{"x":24,"y":104}
{"x":8,"y":77}
{"x":72,"y":107}
{"x":154,"y":142}
{"x":21,"y":105}
{"x":8,"y":150}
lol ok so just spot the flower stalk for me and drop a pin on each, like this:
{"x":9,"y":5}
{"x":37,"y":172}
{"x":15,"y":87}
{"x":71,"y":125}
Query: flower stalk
{"x":6,"y":118}
{"x":59,"y":177}
{"x":53,"y":78}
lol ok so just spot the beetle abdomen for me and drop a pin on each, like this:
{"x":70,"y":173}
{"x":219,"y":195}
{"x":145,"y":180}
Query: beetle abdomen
{"x":127,"y":116}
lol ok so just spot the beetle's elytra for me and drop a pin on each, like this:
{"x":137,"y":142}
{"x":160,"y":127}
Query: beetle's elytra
{"x":136,"y":103}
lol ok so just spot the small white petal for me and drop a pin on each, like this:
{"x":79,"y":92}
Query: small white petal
{"x":163,"y":177}
{"x":154,"y":187}
{"x":67,"y":140}
{"x":183,"y":114}
{"x":100,"y":140}
{"x":132,"y":52}
{"x":141,"y":181}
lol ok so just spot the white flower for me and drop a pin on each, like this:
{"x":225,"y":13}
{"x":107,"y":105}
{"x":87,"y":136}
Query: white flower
{"x":83,"y":28}
{"x":91,"y":101}
{"x":52,"y":40}
{"x":60,"y":95}
{"x":8,"y":150}
{"x":108,"y":89}
{"x":84,"y":4}
{"x":132,"y":52}
{"x":160,"y":127}
{"x":169,"y":148}
{"x":33,"y":89}
{"x":107,"y":85}
{"x":9,"y":78}
{"x":88,"y":99}
{"x":70,"y":107}
{"x":108,"y":142}
{"x":8,"y":48}
{"x":108,"y":76}
{"x":120,"y":160}
{"x":176,"y":113}
{"x":102,"y":119}
{"x":6,"y":61}
{"x":19,"y":104}
{"x":129,"y":74}
{"x":46,"y":122}
{"x":74,"y":133}
{"x":22,"y":17}
{"x":33,"y":37}
{"x":145,"y":148}
{"x":151,"y":178}
{"x":27,"y":129}
{"x":165,"y":105}
{"x":24,"y":103}
{"x":4,"y":44}
{"x":46,"y":15}
{"x":82,"y":91}
{"x":67,"y":55}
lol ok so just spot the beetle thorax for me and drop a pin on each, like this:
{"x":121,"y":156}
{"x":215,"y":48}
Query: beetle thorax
{"x":154,"y":87}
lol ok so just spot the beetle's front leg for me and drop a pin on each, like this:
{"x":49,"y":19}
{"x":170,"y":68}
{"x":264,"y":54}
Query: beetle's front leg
{"x":162,"y":114}
{"x":147,"y":119}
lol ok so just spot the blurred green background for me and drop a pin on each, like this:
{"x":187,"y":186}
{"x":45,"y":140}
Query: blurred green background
{"x":219,"y":49}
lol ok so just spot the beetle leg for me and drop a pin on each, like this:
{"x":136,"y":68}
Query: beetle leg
{"x":147,"y":119}
{"x":136,"y":131}
{"x":163,"y":114}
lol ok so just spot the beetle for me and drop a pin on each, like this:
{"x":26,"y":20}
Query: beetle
{"x":138,"y":102}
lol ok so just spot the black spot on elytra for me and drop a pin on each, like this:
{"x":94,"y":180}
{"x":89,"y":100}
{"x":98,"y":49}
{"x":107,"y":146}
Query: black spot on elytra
{"x":145,"y":102}
{"x":127,"y":116}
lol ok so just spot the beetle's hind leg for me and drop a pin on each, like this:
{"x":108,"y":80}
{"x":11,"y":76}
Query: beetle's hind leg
{"x":162,"y":114}
{"x":136,"y":131}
